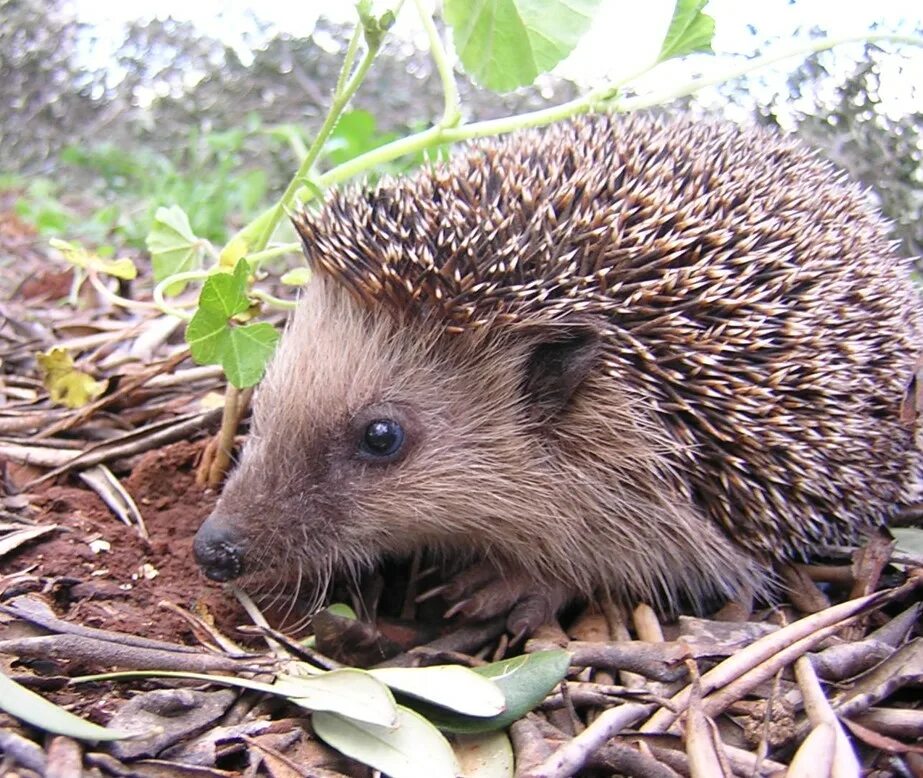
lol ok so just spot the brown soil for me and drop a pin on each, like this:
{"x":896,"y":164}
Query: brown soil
{"x":122,"y":588}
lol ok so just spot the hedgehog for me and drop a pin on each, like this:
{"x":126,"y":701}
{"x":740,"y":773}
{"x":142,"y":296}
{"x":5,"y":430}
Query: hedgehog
{"x":642,"y":356}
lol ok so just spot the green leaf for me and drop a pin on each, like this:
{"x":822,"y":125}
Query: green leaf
{"x":690,"y":31}
{"x":242,"y":350}
{"x":485,"y":755}
{"x":505,"y":44}
{"x":415,"y":749}
{"x":348,"y":692}
{"x":226,"y":293}
{"x":449,"y":686}
{"x":26,"y":705}
{"x":173,"y":245}
{"x":248,"y":351}
{"x":524,"y":680}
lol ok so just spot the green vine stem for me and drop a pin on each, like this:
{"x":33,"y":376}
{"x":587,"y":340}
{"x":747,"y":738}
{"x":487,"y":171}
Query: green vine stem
{"x":272,"y":300}
{"x":451,"y":114}
{"x":602,"y":96}
{"x":259,"y":257}
{"x":172,"y":310}
{"x":345,"y":89}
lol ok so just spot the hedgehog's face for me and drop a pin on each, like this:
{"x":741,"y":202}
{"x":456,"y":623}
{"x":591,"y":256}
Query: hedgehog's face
{"x":372,"y":439}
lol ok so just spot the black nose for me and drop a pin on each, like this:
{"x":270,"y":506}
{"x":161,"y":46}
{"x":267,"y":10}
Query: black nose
{"x":218,"y":552}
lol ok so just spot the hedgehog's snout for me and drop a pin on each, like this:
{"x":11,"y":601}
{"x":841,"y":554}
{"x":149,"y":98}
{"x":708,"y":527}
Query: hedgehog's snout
{"x":218,"y":550}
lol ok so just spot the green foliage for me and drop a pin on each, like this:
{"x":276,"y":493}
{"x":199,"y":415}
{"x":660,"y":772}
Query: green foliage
{"x":214,"y":336}
{"x":505,"y":44}
{"x":690,"y":31}
{"x":206,"y":178}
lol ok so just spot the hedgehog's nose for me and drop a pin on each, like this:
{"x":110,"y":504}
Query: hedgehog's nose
{"x":218,"y":552}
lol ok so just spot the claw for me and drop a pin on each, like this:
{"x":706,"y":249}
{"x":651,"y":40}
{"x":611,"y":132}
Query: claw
{"x":457,"y":608}
{"x":430,"y":593}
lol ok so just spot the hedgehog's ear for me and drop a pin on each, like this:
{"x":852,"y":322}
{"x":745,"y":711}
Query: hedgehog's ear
{"x":561,"y":358}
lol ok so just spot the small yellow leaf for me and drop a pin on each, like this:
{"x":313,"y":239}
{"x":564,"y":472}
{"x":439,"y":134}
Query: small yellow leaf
{"x":236,"y":249}
{"x":65,"y":384}
{"x":77,"y":255}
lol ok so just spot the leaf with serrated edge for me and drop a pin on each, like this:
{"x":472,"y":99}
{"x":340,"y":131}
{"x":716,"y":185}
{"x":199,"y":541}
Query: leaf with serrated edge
{"x":349,"y":692}
{"x":485,"y":755}
{"x":24,"y":704}
{"x":690,"y":31}
{"x":449,"y":686}
{"x":505,"y":44}
{"x":414,"y":749}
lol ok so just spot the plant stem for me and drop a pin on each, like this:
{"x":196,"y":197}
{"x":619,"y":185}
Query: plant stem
{"x":275,"y":302}
{"x":164,"y":306}
{"x":451,"y":114}
{"x":117,"y":299}
{"x":343,"y":94}
{"x":601,"y":96}
{"x":257,"y":258}
{"x":348,"y":58}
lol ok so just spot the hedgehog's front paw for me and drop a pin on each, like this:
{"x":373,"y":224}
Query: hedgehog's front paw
{"x":483,"y":591}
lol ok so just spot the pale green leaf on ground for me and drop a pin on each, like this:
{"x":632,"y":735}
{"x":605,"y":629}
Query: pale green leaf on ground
{"x":173,"y":245}
{"x":485,"y":755}
{"x":690,"y":31}
{"x":449,"y":686}
{"x":342,"y":610}
{"x":26,"y":705}
{"x":77,"y":255}
{"x":352,"y":693}
{"x":524,"y":680}
{"x":506,"y":44}
{"x":415,"y":749}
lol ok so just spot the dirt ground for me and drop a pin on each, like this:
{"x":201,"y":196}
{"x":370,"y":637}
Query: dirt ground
{"x":122,"y":586}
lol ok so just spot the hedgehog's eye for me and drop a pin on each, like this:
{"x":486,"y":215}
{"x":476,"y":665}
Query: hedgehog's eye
{"x":382,"y":438}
